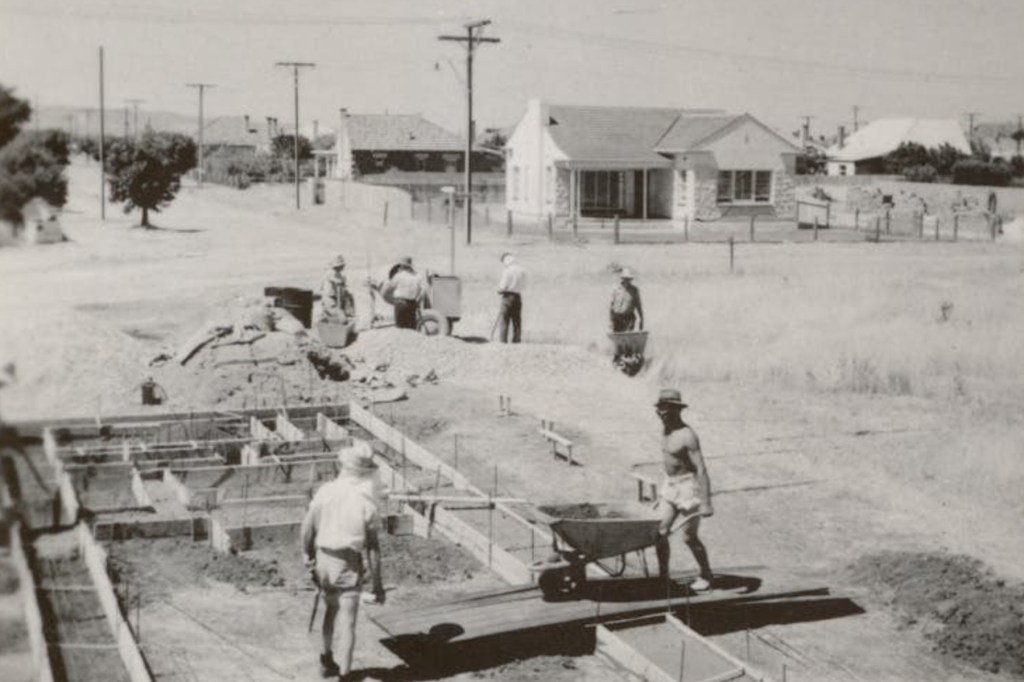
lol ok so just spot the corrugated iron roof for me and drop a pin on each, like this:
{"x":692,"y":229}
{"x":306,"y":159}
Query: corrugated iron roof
{"x":406,"y":132}
{"x":885,"y":135}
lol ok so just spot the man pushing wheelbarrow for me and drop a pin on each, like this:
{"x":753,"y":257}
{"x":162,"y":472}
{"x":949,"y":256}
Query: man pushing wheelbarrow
{"x":626,"y":315}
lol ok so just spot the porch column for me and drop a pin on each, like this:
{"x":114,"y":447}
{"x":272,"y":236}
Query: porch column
{"x":645,"y":194}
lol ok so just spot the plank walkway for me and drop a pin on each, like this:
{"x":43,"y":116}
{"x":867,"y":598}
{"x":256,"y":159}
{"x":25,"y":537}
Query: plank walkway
{"x":603,"y":599}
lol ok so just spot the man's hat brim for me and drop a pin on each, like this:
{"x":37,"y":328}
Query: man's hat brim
{"x":678,"y":403}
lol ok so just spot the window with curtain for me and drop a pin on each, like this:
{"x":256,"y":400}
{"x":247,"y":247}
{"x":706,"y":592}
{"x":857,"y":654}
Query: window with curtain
{"x":744,"y":186}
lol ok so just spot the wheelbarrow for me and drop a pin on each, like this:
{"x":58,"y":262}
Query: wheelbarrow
{"x":628,"y":350}
{"x":590,"y":532}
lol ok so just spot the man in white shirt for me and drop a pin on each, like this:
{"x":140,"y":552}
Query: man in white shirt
{"x":404,"y":290}
{"x":341,"y":523}
{"x":510,"y":288}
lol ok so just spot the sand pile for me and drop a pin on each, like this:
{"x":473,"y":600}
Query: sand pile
{"x":965,"y":610}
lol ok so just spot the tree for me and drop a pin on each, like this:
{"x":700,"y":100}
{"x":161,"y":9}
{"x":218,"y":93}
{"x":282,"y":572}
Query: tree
{"x":811,"y":161}
{"x":31,"y":163}
{"x":944,"y":157}
{"x":907,"y":155}
{"x":147,"y":173}
{"x":284,"y":145}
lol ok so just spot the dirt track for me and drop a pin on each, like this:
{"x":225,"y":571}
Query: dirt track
{"x":809,"y":480}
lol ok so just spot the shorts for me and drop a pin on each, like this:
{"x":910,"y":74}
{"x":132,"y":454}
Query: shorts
{"x":681,"y":492}
{"x":339,"y":571}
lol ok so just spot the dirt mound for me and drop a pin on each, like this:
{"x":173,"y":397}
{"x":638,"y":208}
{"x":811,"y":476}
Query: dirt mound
{"x":157,"y":567}
{"x":963,"y":608}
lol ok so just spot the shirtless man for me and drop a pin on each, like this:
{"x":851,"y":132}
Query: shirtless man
{"x":686,"y":490}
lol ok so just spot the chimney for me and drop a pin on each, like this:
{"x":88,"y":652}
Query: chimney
{"x":270,"y":127}
{"x":842,"y":136}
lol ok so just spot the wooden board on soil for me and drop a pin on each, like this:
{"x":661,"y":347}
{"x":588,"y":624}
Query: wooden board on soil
{"x":600,"y":600}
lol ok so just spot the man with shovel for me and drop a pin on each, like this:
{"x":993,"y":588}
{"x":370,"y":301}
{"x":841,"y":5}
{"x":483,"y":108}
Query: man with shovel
{"x":340,"y":524}
{"x":686,"y":489}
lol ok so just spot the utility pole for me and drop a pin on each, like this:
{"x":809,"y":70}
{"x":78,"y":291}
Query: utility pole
{"x":103,"y":143}
{"x":856,"y":122}
{"x":295,"y":66}
{"x":135,"y":115}
{"x":970,"y":125}
{"x":201,"y":87}
{"x":472,"y":38}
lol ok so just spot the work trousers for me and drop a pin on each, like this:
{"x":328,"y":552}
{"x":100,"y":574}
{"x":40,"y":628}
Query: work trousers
{"x":405,"y":313}
{"x":511,"y":314}
{"x":623,"y":322}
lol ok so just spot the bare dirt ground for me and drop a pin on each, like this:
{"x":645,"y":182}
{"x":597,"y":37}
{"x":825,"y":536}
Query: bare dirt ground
{"x":844,"y":408}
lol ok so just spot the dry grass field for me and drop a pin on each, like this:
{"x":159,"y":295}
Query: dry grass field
{"x":851,"y":397}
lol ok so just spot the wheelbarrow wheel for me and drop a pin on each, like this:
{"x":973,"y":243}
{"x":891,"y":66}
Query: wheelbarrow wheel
{"x":433,"y":323}
{"x":562,"y":583}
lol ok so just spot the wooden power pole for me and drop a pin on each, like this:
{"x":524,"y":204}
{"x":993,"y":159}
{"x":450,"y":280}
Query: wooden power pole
{"x":471,"y":39}
{"x":199,"y":138}
{"x":295,"y":66}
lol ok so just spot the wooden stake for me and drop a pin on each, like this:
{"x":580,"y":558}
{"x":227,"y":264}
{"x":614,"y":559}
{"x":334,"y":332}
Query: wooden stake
{"x":731,"y":255}
{"x":752,"y":228}
{"x":616,"y":228}
{"x":956,"y":226}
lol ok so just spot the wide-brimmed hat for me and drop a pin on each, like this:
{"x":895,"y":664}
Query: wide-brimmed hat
{"x":625,"y":273}
{"x":405,"y":260}
{"x":357,"y":459}
{"x":338,"y":262}
{"x":507,"y":258}
{"x":670,"y":396}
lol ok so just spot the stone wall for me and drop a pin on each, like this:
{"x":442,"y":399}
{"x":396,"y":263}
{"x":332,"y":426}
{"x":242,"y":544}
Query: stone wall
{"x":784,"y":194}
{"x":705,"y":198}
{"x":562,"y":189}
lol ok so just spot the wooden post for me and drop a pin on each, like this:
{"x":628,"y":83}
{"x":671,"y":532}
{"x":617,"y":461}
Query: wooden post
{"x":686,"y":228}
{"x":551,"y":226}
{"x":487,"y":215}
{"x":828,"y":215}
{"x":616,"y":228}
{"x":731,"y":253}
{"x":815,"y":228}
{"x":385,"y":214}
{"x":888,"y":222}
{"x":956,"y":226}
{"x":456,"y":451}
{"x":752,"y":228}
{"x":936,"y":228}
{"x":430,"y":206}
{"x":508,"y":223}
{"x":920,"y":225}
{"x":856,"y":220}
{"x":574,"y":225}
{"x":878,"y":229}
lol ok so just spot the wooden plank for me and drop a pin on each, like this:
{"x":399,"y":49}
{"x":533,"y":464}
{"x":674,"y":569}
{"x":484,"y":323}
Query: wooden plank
{"x":603,"y":599}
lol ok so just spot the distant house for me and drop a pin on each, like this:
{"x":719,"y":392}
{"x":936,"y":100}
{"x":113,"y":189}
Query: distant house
{"x":372,"y":144}
{"x":235,"y":134}
{"x":863,"y":151}
{"x":646,"y":163}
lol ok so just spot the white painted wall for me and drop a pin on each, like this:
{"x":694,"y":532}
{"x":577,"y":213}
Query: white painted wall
{"x":529,"y":152}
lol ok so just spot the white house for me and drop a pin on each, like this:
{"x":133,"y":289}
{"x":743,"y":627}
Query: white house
{"x":863,"y":151}
{"x":646,"y":163}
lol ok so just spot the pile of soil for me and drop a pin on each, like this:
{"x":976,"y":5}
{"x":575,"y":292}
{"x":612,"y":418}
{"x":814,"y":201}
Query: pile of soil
{"x":156,"y":567}
{"x":412,"y":559}
{"x":962,"y":607}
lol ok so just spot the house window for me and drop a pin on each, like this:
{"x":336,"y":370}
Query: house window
{"x":602,"y":191}
{"x":744,"y":186}
{"x":421,"y":161}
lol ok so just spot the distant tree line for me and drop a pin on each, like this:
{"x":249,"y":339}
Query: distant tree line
{"x":917,"y":163}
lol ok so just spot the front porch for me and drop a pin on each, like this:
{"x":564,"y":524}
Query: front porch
{"x":627,"y":193}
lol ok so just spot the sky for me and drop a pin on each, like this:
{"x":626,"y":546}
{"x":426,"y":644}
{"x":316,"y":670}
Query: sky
{"x":779,"y":61}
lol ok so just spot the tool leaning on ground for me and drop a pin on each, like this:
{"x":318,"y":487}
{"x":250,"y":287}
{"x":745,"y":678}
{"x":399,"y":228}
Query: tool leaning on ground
{"x":316,"y":597}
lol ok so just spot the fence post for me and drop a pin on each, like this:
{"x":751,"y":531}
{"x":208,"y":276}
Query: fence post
{"x":732,"y":244}
{"x":429,"y":209}
{"x":991,"y":226}
{"x":385,"y":214}
{"x":856,"y":220}
{"x":752,"y":228}
{"x":508,"y":223}
{"x":487,"y":216}
{"x":888,"y":223}
{"x":920,"y":225}
{"x":574,"y":225}
{"x":815,"y":228}
{"x":551,"y":227}
{"x":878,"y":229}
{"x":686,"y":228}
{"x":956,"y":226}
{"x":616,"y":228}
{"x":936,"y":228}
{"x":828,"y":215}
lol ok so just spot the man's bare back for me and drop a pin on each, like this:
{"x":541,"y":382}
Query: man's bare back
{"x":676,"y":448}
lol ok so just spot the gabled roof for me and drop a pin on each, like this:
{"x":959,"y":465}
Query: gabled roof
{"x":621,"y":134}
{"x":405,"y":132}
{"x":885,"y":135}
{"x":687,"y":132}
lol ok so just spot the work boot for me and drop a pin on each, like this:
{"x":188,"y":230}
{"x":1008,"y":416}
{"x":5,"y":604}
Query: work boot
{"x":328,"y":668}
{"x":700,"y":585}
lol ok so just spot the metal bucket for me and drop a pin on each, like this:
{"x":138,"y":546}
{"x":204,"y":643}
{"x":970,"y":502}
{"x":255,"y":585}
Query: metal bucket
{"x":333,"y":333}
{"x":299,"y":302}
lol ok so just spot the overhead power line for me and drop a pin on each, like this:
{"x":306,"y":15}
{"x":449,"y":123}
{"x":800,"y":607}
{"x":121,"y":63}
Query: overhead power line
{"x":669,"y":49}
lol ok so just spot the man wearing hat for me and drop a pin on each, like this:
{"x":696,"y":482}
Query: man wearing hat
{"x":339,"y":526}
{"x":510,"y":288}
{"x":686,"y":490}
{"x":335,"y":298}
{"x":626,"y":310}
{"x":404,"y":290}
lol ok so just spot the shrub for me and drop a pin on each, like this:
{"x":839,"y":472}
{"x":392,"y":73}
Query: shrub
{"x":977,"y":172}
{"x":923,"y":173}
